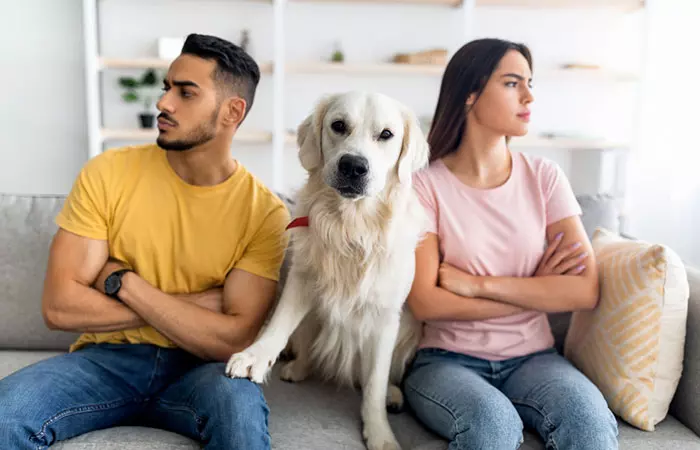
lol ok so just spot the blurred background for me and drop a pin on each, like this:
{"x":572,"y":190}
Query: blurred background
{"x":616,"y":86}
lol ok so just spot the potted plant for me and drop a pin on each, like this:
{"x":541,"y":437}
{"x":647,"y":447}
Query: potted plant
{"x":143,"y":90}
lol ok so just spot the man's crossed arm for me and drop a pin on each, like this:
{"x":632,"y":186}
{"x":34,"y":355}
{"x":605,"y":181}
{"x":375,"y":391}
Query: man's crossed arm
{"x":212,"y":325}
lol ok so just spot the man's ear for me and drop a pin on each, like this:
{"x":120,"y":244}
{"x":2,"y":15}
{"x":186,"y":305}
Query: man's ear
{"x":415,"y":152}
{"x":309,"y":136}
{"x":234,"y":111}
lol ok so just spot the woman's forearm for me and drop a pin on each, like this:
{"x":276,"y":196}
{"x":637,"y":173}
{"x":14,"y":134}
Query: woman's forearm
{"x":552,"y":293}
{"x":436,"y":303}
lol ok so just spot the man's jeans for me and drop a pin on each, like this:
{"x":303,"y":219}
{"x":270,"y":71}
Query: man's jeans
{"x":479,"y":404}
{"x":107,"y":385}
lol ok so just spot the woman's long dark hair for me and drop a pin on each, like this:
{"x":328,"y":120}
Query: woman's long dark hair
{"x":467,"y":72}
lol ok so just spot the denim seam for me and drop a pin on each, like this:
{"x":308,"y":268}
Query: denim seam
{"x":186,"y":408}
{"x":41,"y":434}
{"x":456,"y":419}
{"x":155,"y":370}
{"x":544,"y":415}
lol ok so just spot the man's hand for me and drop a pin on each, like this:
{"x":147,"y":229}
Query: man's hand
{"x":559,"y":260}
{"x":458,"y":282}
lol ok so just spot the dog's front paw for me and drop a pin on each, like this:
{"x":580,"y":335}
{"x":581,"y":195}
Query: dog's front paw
{"x":379,"y":438}
{"x":248,"y":364}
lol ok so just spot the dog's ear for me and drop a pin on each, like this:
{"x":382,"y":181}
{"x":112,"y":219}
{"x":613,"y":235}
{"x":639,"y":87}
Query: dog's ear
{"x":309,"y":136}
{"x":415,"y":151}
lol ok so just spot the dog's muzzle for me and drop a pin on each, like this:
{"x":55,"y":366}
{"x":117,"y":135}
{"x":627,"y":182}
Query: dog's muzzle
{"x":353,"y":172}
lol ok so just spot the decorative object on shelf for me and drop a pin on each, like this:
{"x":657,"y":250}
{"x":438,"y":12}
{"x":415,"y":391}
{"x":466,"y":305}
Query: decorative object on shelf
{"x":437,"y":56}
{"x":142,"y":90}
{"x":245,"y":41}
{"x":338,"y":56}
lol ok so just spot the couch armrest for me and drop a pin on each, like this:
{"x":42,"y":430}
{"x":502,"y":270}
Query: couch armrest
{"x":686,"y":403}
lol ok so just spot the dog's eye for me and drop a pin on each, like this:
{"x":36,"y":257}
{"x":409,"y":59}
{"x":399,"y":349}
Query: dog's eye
{"x":385,"y":134}
{"x":338,"y":126}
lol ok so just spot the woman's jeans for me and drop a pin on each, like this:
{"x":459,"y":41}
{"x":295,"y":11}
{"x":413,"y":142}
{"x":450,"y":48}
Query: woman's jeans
{"x":480,"y":404}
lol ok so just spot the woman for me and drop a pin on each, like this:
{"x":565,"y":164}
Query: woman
{"x":485,"y":282}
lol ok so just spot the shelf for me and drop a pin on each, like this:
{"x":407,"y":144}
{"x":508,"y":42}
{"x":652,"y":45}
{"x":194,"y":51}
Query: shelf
{"x":536,"y":142}
{"x":437,"y":70}
{"x":151,"y":134}
{"x":451,"y":3}
{"x":366,"y":68}
{"x":623,"y":5}
{"x":155,"y":63}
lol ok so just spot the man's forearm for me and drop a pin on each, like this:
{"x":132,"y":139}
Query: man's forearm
{"x":84,"y":309}
{"x":203,"y":332}
{"x":552,"y":293}
{"x":440,"y":304}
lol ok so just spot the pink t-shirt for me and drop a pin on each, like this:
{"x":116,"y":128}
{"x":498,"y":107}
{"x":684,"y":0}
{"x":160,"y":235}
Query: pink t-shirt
{"x":495,"y":232}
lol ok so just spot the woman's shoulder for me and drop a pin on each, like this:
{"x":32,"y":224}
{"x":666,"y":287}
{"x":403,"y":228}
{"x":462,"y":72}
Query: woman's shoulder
{"x":541,"y":170}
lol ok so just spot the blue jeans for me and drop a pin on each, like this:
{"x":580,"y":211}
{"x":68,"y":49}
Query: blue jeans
{"x":480,"y":404}
{"x":107,"y":385}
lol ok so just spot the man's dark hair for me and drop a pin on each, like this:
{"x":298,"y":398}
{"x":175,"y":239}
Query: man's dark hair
{"x":236,"y":71}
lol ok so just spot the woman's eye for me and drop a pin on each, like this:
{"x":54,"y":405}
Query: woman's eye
{"x":338,"y":126}
{"x":386,"y":134}
{"x":511,"y":83}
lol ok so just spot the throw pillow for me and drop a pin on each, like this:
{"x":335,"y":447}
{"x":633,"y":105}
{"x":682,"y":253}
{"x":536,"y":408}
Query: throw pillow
{"x":631,"y":345}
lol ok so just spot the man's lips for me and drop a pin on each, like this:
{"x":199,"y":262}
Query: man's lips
{"x":164,"y":124}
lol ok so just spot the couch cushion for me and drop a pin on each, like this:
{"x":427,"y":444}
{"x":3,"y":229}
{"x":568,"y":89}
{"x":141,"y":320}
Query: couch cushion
{"x":631,"y":345}
{"x":315,"y":416}
{"x":26,"y":229}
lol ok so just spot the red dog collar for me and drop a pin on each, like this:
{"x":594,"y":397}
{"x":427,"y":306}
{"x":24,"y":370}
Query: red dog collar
{"x":299,"y":222}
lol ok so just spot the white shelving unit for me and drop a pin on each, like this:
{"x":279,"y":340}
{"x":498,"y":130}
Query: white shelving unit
{"x":278,"y":136}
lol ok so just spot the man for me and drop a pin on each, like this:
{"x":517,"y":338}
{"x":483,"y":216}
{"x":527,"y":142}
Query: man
{"x":166,"y":259}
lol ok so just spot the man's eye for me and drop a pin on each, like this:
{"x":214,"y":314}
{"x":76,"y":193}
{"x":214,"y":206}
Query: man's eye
{"x":385,"y":135}
{"x":511,"y":83}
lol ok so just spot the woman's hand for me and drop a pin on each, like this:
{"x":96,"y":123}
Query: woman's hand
{"x":559,"y":260}
{"x":458,"y":282}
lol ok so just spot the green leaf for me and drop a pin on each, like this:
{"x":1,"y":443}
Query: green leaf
{"x":149,"y":78}
{"x":130,"y":97}
{"x":128,"y":82}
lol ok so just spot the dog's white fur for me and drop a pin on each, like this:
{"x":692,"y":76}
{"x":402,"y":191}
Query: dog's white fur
{"x":343,"y":304}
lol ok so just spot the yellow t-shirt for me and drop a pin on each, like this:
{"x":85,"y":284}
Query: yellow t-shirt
{"x":179,"y":237}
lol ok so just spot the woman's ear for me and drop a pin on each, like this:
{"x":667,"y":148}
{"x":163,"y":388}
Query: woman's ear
{"x":471,"y":99}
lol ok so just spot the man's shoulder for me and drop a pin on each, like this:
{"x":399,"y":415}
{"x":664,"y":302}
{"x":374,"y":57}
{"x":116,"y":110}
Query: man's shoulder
{"x":265,"y":201}
{"x":119,"y":159}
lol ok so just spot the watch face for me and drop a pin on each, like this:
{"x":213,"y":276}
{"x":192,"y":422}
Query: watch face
{"x":112,"y":284}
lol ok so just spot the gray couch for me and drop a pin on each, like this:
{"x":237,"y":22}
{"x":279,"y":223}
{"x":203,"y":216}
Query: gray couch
{"x":305,"y":416}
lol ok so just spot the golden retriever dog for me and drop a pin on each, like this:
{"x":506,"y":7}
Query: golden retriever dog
{"x":342,"y":307}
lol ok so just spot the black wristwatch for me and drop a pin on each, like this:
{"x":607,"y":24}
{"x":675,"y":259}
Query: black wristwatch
{"x":114,"y":282}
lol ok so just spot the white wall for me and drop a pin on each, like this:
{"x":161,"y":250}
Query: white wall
{"x":368,"y":33}
{"x":664,"y":186}
{"x":43,"y":139}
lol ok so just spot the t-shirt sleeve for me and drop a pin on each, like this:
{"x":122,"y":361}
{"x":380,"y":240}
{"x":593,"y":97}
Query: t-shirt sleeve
{"x":427,"y":198}
{"x":560,"y":200}
{"x":264,"y":254}
{"x":85,"y":210}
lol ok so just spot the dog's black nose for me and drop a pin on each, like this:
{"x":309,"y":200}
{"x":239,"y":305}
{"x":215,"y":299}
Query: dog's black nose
{"x":353,"y":166}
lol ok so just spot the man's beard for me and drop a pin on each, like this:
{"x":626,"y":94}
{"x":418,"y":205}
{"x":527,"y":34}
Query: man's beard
{"x":204,"y":133}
